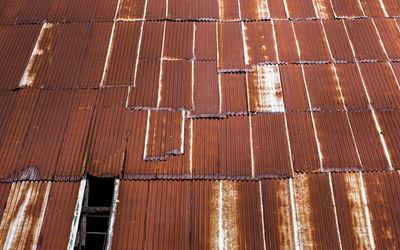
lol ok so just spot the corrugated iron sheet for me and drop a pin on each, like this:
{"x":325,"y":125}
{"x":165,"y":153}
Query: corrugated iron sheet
{"x":392,"y":7}
{"x":129,"y":9}
{"x":152,"y":40}
{"x":233,"y":93}
{"x":389,"y":122}
{"x":33,"y":11}
{"x":323,"y":8}
{"x":277,"y":9}
{"x":10,"y":10}
{"x":178,"y":41}
{"x":178,"y":9}
{"x":228,"y":10}
{"x":205,"y":41}
{"x":346,"y":9}
{"x":7,"y":102}
{"x":204,"y":10}
{"x":372,"y":8}
{"x":338,"y":41}
{"x":4,"y":192}
{"x":300,"y":8}
{"x":390,"y":36}
{"x":156,"y":10}
{"x":293,"y":87}
{"x":286,"y":42}
{"x":253,"y":9}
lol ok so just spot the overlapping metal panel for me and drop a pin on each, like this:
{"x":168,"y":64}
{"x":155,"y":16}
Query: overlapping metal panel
{"x":286,"y":42}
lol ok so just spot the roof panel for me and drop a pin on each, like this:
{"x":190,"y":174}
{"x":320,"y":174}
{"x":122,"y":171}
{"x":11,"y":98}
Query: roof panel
{"x":178,"y":41}
{"x":33,"y":11}
{"x":389,"y":122}
{"x":204,"y":10}
{"x":7,"y":101}
{"x":390,"y":36}
{"x":339,"y":43}
{"x":392,"y":7}
{"x":323,"y":8}
{"x":233,"y":93}
{"x":346,"y":9}
{"x":300,"y":9}
{"x":106,"y":10}
{"x":228,"y":10}
{"x":130,"y":9}
{"x":10,"y":11}
{"x":205,"y":41}
{"x":4,"y":192}
{"x":81,"y":10}
{"x":253,"y":9}
{"x":152,"y":40}
{"x":277,"y":9}
{"x":57,"y":11}
{"x":178,"y":9}
{"x":372,"y":8}
{"x":286,"y":42}
{"x":156,"y":9}
{"x":294,"y":90}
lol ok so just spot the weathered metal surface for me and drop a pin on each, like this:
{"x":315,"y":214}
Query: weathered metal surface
{"x":300,"y":8}
{"x":262,"y":49}
{"x":339,"y":154}
{"x":228,"y":10}
{"x":311,"y":40}
{"x":253,"y":9}
{"x":293,"y":87}
{"x":347,"y":9}
{"x":365,"y":39}
{"x":178,"y":40}
{"x":271,"y":154}
{"x":389,"y":122}
{"x":205,"y":41}
{"x":4,"y":193}
{"x":390,"y":36}
{"x":372,"y":8}
{"x":204,"y":10}
{"x":10,"y":10}
{"x":286,"y":42}
{"x":179,"y":9}
{"x":33,"y":11}
{"x":302,"y":142}
{"x":156,"y":10}
{"x":131,"y":10}
{"x":392,"y":7}
{"x":233,"y":93}
{"x":277,"y":9}
{"x":7,"y":102}
{"x":152,"y":40}
{"x":323,"y":8}
{"x":339,"y":43}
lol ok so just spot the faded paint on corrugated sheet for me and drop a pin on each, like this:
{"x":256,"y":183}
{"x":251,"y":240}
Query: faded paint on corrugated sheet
{"x":339,"y":154}
{"x":22,"y":219}
{"x":129,"y":9}
{"x":264,"y":89}
{"x":300,"y":8}
{"x":390,"y":35}
{"x":302,"y":142}
{"x":152,"y":39}
{"x":233,"y":93}
{"x":228,"y":10}
{"x":346,"y":9}
{"x":178,"y":41}
{"x":315,"y":214}
{"x":253,"y":9}
{"x":262,"y":49}
{"x":352,"y":218}
{"x":311,"y":40}
{"x":372,"y":8}
{"x":270,"y":146}
{"x":323,"y":9}
{"x":383,"y":203}
{"x":365,"y":39}
{"x":389,"y":122}
{"x":294,"y":90}
{"x":277,"y":9}
{"x":205,"y":41}
{"x":286,"y":42}
{"x":339,"y":43}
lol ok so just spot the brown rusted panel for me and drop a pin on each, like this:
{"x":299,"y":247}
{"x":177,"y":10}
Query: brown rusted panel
{"x":315,"y":213}
{"x":15,"y":54}
{"x":179,"y":10}
{"x":294,"y":90}
{"x":339,"y":154}
{"x":396,"y":69}
{"x":234,"y":148}
{"x":230,"y":47}
{"x":106,"y":147}
{"x":286,"y":43}
{"x":300,"y":8}
{"x":277,"y":9}
{"x":323,"y":87}
{"x":16,"y":130}
{"x":392,"y":7}
{"x":323,"y":8}
{"x":270,"y":146}
{"x":106,"y":10}
{"x":206,"y":91}
{"x":156,"y":9}
{"x":130,"y":9}
{"x":302,"y":142}
{"x":7,"y":101}
{"x":145,"y":92}
{"x":71,"y":159}
{"x":368,"y":142}
{"x":10,"y":10}
{"x":311,"y":39}
{"x":152,"y":40}
{"x":381,"y":85}
{"x":389,"y":122}
{"x":338,"y":40}
{"x":228,"y":10}
{"x":120,"y":69}
{"x":233,"y":93}
{"x":253,"y":9}
{"x":33,"y":11}
{"x":57,"y":11}
{"x":4,"y":192}
{"x":23,"y":215}
{"x":176,"y":85}
{"x":372,"y":8}
{"x":346,"y":9}
{"x":351,"y":216}
{"x":205,"y":41}
{"x":164,"y":135}
{"x":178,"y":43}
{"x":81,"y":10}
{"x":390,"y":36}
{"x":383,"y":203}
{"x":59,"y":215}
{"x":205,"y":162}
{"x":5,"y":30}
{"x":352,"y":87}
{"x":277,"y":210}
{"x":262,"y":49}
{"x":204,"y":10}
{"x":365,"y":39}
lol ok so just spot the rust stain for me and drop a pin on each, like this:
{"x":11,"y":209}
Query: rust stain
{"x":285,"y":223}
{"x":262,"y":9}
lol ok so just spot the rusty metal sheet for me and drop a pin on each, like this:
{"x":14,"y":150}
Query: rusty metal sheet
{"x":178,"y":43}
{"x":130,"y":9}
{"x":323,"y":88}
{"x":389,"y":122}
{"x":270,"y":146}
{"x":396,"y":69}
{"x":7,"y":101}
{"x":311,"y":40}
{"x":205,"y":155}
{"x":339,"y":43}
{"x":57,"y":11}
{"x":286,"y":42}
{"x":315,"y":212}
{"x":179,"y":9}
{"x":205,"y":10}
{"x":106,"y":10}
{"x":72,"y":155}
{"x":277,"y":211}
{"x":264,"y":89}
{"x":253,"y":9}
{"x":176,"y":85}
{"x":383,"y":202}
{"x":365,"y":39}
{"x":234,"y":148}
{"x":228,"y":10}
{"x":351,"y":213}
{"x":352,"y":87}
{"x":152,"y":40}
{"x":33,"y":11}
{"x":381,"y":85}
{"x":339,"y":154}
{"x":392,"y":7}
{"x":277,"y":9}
{"x":120,"y":68}
{"x":4,"y":192}
{"x":81,"y":10}
{"x":372,"y":8}
{"x":22,"y":219}
{"x":16,"y":130}
{"x":303,"y":145}
{"x":206,"y":90}
{"x":106,"y":147}
{"x":300,"y":8}
{"x":156,"y":10}
{"x":323,"y":8}
{"x":4,"y":31}
{"x":10,"y":10}
{"x":145,"y":92}
{"x":59,"y":215}
{"x":233,"y":93}
{"x":205,"y":41}
{"x":368,"y":142}
{"x":390,"y":36}
{"x":262,"y":49}
{"x":293,"y":87}
{"x":230,"y":47}
{"x":15,"y":54}
{"x":346,"y":9}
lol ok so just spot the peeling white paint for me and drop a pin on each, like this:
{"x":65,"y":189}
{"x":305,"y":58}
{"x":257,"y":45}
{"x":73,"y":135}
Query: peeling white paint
{"x":251,"y":148}
{"x":77,"y":215}
{"x":146,"y":138}
{"x":320,"y":9}
{"x":294,"y":218}
{"x":366,"y":211}
{"x":262,"y":213}
{"x":334,"y":210}
{"x":269,"y":90}
{"x":183,"y":133}
{"x":114,"y":206}
{"x":220,"y":227}
{"x":262,"y":9}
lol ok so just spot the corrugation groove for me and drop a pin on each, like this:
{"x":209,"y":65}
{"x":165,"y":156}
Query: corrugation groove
{"x":130,"y":9}
{"x":106,"y":10}
{"x":205,"y":41}
{"x":294,"y":91}
{"x":57,"y":11}
{"x":286,"y":42}
{"x":338,"y":42}
{"x":230,"y":47}
{"x":389,"y":122}
{"x":390,"y":35}
{"x":344,"y":8}
{"x":152,"y":38}
{"x":178,"y":42}
{"x":300,"y":9}
{"x":233,"y":93}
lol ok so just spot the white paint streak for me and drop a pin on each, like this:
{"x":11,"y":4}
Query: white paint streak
{"x":268,"y":89}
{"x":245,"y":48}
{"x":46,"y":199}
{"x":320,"y":9}
{"x":334,"y":210}
{"x":286,"y":9}
{"x":262,"y":213}
{"x":294,"y":219}
{"x":183,"y":133}
{"x":251,"y":147}
{"x":114,"y":206}
{"x":383,"y":8}
{"x":138,"y":54}
{"x":160,"y":83}
{"x":191,"y":149}
{"x":262,"y":9}
{"x":275,"y":43}
{"x":77,"y":215}
{"x":220,"y":93}
{"x":366,"y":211}
{"x":146,"y":139}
